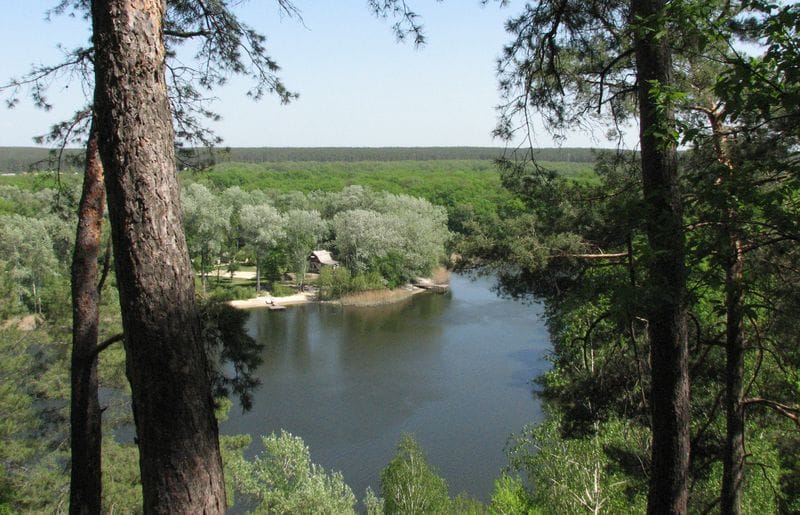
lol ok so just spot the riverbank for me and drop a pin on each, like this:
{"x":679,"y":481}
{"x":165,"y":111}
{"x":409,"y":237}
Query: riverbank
{"x":269,"y":300}
{"x":437,"y":283}
{"x":361,"y":299}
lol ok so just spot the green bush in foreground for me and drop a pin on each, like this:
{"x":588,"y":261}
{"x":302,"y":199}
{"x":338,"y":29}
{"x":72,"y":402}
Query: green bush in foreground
{"x":282,"y":479}
{"x":410,"y":485}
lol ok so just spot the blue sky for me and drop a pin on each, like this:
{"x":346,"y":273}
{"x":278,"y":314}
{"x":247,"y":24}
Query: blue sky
{"x":357,"y":85}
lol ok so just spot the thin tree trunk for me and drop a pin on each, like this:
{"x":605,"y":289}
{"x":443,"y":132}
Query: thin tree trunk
{"x":258,"y":274}
{"x":203,"y":275}
{"x":733,"y":457}
{"x":666,"y":280}
{"x":166,"y":364}
{"x":85,"y":414}
{"x":733,"y":460}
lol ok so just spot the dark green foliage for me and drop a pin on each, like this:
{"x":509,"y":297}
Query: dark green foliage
{"x":33,"y":400}
{"x":569,"y":247}
{"x":367,"y":281}
{"x":766,"y":86}
{"x":333,"y":282}
{"x":390,"y":267}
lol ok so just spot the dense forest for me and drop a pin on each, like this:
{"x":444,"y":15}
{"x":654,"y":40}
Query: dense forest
{"x":23,"y":159}
{"x":669,"y":278}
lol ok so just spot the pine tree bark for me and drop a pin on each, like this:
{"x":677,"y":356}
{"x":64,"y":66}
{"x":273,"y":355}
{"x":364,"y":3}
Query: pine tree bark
{"x":85,"y":493}
{"x":733,"y":454}
{"x":667,"y":306}
{"x":733,"y":459}
{"x":166,"y":364}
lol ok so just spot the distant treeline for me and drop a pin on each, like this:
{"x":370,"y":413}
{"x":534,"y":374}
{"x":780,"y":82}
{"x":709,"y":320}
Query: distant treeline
{"x":26,"y":159}
{"x":348,"y":154}
{"x":23,"y":159}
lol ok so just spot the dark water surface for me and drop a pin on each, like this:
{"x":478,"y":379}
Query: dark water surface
{"x":452,"y":369}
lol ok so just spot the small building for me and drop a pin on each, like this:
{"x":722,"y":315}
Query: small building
{"x":319,"y":259}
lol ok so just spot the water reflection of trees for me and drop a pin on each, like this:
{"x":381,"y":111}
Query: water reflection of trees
{"x":341,"y":354}
{"x":285,"y":335}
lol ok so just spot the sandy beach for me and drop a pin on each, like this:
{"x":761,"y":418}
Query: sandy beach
{"x":362,"y":299}
{"x":265,"y":300}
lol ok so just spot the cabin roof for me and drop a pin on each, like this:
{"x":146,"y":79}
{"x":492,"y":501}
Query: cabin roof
{"x":324,"y":257}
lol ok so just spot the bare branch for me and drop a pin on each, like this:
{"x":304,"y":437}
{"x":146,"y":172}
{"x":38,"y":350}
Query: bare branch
{"x":790,"y":412}
{"x":106,"y":344}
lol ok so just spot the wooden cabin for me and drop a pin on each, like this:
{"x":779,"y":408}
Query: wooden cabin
{"x":319,"y":259}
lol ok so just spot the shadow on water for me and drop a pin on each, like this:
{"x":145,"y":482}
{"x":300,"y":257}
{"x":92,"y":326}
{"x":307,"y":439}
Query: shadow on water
{"x":453,"y":369}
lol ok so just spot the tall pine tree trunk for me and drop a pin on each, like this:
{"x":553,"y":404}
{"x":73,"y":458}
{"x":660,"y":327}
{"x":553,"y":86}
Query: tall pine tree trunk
{"x":733,"y":455}
{"x":166,"y":363}
{"x":669,"y":395}
{"x":85,"y":415}
{"x":733,"y":459}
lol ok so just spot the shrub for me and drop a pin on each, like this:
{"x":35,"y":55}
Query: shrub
{"x":281,"y":290}
{"x":392,"y":268}
{"x":226,"y":293}
{"x":367,"y":281}
{"x":333,"y":282}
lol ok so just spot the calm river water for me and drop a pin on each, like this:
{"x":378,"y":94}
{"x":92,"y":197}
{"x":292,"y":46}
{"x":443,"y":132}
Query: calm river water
{"x":452,"y":369}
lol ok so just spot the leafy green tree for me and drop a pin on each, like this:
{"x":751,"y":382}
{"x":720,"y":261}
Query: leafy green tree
{"x":398,"y":232}
{"x":576,"y":475}
{"x":510,"y":497}
{"x":362,"y":236}
{"x":569,"y":62}
{"x":422,"y":229}
{"x":235,"y":198}
{"x":20,"y":418}
{"x":334,"y":282}
{"x":410,"y":485}
{"x":262,"y":229}
{"x":9,"y":296}
{"x":349,"y":198}
{"x":302,"y":231}
{"x":26,"y":246}
{"x":743,"y":176}
{"x":206,"y":222}
{"x":282,"y":479}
